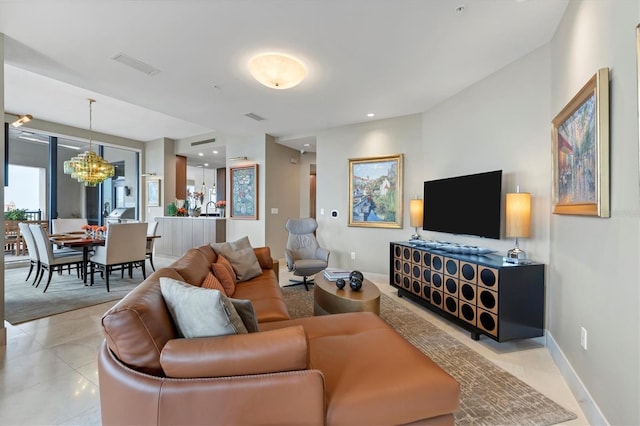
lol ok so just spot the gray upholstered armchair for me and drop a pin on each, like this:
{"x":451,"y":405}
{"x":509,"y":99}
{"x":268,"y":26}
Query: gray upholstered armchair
{"x":303,"y":254}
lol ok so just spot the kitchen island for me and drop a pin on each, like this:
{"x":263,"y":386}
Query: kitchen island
{"x":180,"y":233}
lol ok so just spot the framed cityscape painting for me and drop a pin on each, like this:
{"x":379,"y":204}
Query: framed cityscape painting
{"x":581,"y":151}
{"x":375,"y":192}
{"x":244,"y":192}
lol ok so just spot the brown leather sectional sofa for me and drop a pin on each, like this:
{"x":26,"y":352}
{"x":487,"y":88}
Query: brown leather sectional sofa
{"x":342,"y":369}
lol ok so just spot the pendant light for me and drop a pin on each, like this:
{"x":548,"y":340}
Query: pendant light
{"x":89,"y":168}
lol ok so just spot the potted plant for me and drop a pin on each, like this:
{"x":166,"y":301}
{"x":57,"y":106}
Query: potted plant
{"x":16,"y":214}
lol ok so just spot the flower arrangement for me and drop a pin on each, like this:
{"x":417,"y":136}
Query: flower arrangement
{"x":92,"y":231}
{"x":182,"y":211}
{"x":197,"y":196}
{"x":221,"y":203}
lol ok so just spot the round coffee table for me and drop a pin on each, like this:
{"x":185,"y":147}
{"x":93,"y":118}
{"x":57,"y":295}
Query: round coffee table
{"x":329,"y":299}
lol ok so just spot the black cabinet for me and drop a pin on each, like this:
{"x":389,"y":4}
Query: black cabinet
{"x":480,"y":293}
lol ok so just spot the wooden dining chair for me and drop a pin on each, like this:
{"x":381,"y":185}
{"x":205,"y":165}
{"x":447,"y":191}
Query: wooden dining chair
{"x":125,"y":245}
{"x":48,"y":260}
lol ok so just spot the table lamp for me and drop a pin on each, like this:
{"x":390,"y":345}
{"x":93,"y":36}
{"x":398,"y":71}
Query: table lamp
{"x":518,"y":216}
{"x":415,"y":216}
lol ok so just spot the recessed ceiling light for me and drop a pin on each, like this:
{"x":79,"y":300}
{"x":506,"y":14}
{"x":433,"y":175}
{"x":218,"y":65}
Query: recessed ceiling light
{"x":214,"y":151}
{"x":206,"y":164}
{"x":460,"y":9}
{"x":200,"y":154}
{"x":307,"y":145}
{"x":371,"y":114}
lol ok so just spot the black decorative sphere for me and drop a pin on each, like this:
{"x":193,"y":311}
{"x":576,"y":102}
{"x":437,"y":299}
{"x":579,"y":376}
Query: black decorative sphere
{"x":355,"y":284}
{"x":340,"y":283}
{"x":357,"y":275}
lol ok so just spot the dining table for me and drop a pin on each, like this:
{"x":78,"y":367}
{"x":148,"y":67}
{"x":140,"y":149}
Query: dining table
{"x":81,"y":240}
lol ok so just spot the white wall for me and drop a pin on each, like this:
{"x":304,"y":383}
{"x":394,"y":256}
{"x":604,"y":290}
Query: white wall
{"x":502,"y":122}
{"x":401,"y":135}
{"x":154,"y":160}
{"x":254,"y":148}
{"x":594,"y":262}
{"x":3,"y":330}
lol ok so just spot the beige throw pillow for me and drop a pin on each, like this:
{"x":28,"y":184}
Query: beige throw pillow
{"x":244,"y":263}
{"x":241,"y":256}
{"x":200,"y":312}
{"x":223,"y":248}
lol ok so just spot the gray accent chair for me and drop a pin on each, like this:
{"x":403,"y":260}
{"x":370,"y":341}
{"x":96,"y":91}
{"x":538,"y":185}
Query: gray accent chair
{"x":303,"y":254}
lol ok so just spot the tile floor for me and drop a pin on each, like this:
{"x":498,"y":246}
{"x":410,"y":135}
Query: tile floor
{"x":49,"y":376}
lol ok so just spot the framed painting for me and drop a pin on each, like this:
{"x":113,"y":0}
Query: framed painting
{"x":581,"y":151}
{"x":375,"y":192}
{"x":244,"y":192}
{"x":153,"y":193}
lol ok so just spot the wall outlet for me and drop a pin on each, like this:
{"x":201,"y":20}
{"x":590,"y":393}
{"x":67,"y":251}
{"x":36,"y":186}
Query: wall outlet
{"x":274,"y":210}
{"x":321,"y":212}
{"x":353,"y":255}
{"x":583,"y":338}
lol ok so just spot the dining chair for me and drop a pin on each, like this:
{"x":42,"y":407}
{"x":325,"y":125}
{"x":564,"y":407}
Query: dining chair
{"x":64,"y":225}
{"x":125,"y":245}
{"x":50,"y":261}
{"x":152,"y":228}
{"x":32,"y":250}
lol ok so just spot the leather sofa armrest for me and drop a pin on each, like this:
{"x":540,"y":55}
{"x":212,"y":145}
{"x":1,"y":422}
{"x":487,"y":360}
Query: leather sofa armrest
{"x":264,"y":257}
{"x":272,"y":351}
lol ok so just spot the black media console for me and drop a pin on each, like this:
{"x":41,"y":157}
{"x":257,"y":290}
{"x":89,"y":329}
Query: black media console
{"x":480,"y":293}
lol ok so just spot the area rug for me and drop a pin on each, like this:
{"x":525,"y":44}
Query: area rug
{"x":489,"y":395}
{"x":24,"y":302}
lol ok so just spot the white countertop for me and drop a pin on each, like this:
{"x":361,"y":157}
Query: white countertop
{"x":190,"y":217}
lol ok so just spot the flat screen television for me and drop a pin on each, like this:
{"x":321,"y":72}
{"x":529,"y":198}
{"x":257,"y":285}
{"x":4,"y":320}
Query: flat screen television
{"x":468,"y":205}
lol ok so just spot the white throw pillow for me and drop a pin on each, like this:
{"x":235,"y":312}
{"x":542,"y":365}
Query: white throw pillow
{"x":200,"y":312}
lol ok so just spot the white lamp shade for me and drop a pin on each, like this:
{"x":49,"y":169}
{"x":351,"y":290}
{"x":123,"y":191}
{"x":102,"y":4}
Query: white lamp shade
{"x":415,"y":213}
{"x":277,"y":71}
{"x":518,"y":214}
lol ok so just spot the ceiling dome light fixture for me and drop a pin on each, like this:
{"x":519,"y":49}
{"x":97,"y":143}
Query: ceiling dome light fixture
{"x":277,"y":70}
{"x":89,"y":168}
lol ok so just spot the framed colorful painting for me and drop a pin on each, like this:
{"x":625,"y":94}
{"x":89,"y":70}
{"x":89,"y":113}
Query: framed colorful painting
{"x":375,"y":192}
{"x":244,"y":192}
{"x":581,"y":151}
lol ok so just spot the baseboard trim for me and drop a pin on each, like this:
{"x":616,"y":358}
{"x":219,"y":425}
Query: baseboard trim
{"x":589,"y":407}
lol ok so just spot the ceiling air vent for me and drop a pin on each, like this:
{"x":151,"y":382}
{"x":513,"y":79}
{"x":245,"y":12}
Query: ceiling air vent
{"x":203,"y":142}
{"x":135,"y":64}
{"x":254,"y":116}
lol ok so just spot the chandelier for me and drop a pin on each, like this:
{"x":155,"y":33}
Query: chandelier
{"x":89,"y":168}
